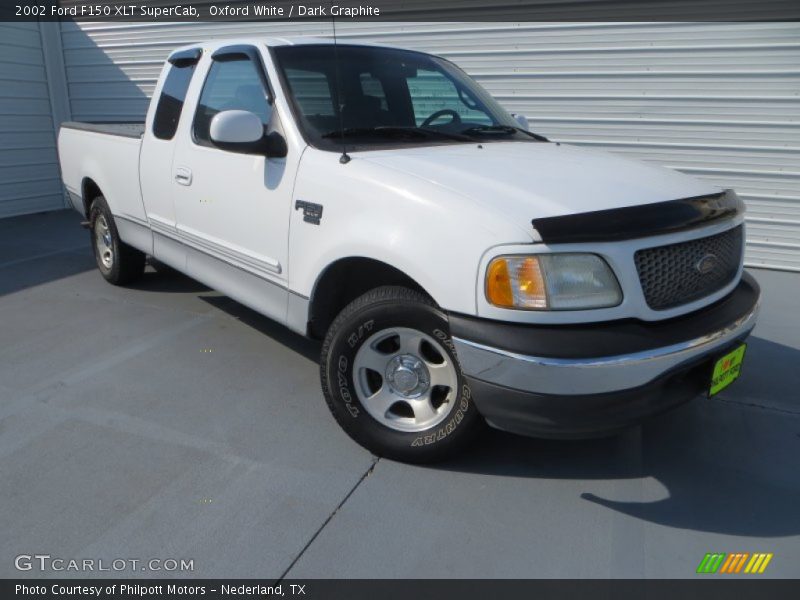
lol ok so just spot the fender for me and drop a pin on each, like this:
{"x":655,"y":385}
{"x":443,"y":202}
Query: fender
{"x":378,"y":213}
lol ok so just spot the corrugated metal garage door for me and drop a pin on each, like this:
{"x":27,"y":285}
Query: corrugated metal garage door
{"x":720,"y":101}
{"x":29,"y":176}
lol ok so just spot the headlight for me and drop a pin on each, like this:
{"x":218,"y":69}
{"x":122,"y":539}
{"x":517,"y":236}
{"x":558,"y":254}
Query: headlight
{"x":552,"y":282}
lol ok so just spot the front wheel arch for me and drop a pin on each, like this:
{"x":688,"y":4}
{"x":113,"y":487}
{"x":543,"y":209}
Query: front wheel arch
{"x":346,"y":279}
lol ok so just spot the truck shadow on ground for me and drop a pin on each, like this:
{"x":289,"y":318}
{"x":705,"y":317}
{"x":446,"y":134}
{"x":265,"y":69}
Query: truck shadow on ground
{"x":159,"y":277}
{"x":306,"y":347}
{"x":728,"y":464}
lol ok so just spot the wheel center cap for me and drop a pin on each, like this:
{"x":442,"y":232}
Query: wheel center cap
{"x":404,"y":380}
{"x":407,"y":376}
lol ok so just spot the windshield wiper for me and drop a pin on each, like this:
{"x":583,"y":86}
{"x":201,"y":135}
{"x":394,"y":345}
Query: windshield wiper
{"x":501,"y":129}
{"x":395,"y":132}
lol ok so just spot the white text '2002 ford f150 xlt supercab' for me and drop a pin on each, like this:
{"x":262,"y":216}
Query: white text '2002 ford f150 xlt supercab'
{"x":458,"y":268}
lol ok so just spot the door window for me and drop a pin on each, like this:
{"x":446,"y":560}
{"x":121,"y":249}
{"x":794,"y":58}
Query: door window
{"x":230,"y":85}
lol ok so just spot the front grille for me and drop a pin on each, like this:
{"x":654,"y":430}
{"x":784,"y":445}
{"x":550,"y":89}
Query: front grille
{"x":681,"y":273}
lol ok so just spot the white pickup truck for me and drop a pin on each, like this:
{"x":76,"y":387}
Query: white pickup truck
{"x":458,"y":268}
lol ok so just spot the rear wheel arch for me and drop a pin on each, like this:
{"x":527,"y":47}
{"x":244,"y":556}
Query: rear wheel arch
{"x":90,"y":191}
{"x":346,"y":279}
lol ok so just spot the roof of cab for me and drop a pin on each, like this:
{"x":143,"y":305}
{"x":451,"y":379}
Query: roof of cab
{"x":271,"y":42}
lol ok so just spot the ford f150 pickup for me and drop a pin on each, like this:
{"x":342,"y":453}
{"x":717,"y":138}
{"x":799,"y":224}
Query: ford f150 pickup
{"x":458,"y":268}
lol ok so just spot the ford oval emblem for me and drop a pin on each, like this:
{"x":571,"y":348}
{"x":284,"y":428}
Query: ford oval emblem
{"x":705,"y":265}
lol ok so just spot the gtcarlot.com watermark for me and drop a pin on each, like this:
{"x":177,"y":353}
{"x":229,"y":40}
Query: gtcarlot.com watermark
{"x":55,"y":564}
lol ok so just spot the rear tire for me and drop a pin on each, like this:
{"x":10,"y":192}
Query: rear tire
{"x":118,"y":262}
{"x":392,"y":379}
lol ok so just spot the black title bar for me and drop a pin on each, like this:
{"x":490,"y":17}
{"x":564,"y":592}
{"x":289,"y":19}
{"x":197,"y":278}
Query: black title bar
{"x":707,"y":587}
{"x":399,"y":10}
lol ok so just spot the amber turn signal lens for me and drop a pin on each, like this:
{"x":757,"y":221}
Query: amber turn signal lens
{"x":516,"y":282}
{"x":498,"y":284}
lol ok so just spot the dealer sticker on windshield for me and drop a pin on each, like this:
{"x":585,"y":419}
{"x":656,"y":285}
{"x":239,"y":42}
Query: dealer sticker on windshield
{"x":726,"y":370}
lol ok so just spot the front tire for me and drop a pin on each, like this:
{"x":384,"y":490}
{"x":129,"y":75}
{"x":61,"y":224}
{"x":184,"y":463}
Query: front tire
{"x":118,"y":262}
{"x":392,"y":379}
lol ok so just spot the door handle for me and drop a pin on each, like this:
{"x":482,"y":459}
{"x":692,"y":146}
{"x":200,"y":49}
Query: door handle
{"x":183,"y":175}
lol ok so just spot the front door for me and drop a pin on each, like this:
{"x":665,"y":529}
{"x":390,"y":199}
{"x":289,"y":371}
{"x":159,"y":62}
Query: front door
{"x":234,"y":208}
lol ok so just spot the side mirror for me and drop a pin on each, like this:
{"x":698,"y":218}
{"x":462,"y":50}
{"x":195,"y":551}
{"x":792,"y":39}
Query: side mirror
{"x":242,"y":131}
{"x":522,"y":120}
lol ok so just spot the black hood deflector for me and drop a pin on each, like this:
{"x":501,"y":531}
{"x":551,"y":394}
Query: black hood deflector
{"x":643,"y":220}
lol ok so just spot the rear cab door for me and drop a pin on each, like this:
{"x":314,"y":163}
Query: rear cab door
{"x":158,"y":148}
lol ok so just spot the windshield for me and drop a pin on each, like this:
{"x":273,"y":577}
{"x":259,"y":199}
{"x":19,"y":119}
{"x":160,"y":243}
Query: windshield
{"x":387,"y":97}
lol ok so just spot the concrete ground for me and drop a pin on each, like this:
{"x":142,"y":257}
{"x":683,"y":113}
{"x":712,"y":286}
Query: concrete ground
{"x":167,"y":421}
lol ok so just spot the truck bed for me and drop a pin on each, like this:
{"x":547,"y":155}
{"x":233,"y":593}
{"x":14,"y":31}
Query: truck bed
{"x":131,"y":130}
{"x":107,"y":155}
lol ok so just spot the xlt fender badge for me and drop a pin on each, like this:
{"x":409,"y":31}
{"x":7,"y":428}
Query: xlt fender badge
{"x":312,"y":213}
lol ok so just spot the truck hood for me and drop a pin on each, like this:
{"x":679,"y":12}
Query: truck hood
{"x":525,"y":181}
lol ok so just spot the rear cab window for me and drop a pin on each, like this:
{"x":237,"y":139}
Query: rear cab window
{"x":173,"y":94}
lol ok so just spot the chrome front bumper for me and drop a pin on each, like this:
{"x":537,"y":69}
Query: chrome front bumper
{"x":580,"y":376}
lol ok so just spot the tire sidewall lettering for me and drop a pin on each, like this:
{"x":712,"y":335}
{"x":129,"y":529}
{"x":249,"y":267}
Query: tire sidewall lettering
{"x":344,"y":388}
{"x":448,"y":428}
{"x":343,"y":375}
